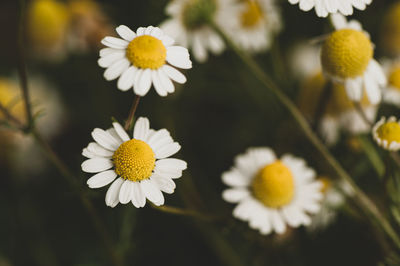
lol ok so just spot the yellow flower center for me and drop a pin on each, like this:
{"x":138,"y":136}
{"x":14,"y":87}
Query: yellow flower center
{"x":326,"y":184}
{"x":274,"y":185}
{"x":346,"y":53}
{"x":146,"y":52}
{"x":389,"y":131}
{"x":47,"y":22}
{"x":394,"y":77}
{"x":252,"y":14}
{"x":134,"y":160}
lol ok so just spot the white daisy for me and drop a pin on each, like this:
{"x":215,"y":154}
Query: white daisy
{"x":325,"y":7}
{"x":252,"y":24}
{"x":140,"y":60}
{"x":188,"y":25}
{"x":347,"y":58}
{"x":391,"y":94}
{"x":138,"y":168}
{"x":272,"y":193}
{"x":387,"y":133}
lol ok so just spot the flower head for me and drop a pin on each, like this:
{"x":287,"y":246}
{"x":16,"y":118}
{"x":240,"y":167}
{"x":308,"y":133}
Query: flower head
{"x":189,"y":25}
{"x":387,"y":133}
{"x":346,"y":58}
{"x":272,"y":192}
{"x":140,"y":60}
{"x":138,"y":168}
{"x":323,"y":8}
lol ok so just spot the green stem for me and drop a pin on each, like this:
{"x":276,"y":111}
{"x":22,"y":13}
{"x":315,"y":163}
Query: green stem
{"x":361,"y":198}
{"x":183,"y":212}
{"x":372,"y":155}
{"x":128,"y":122}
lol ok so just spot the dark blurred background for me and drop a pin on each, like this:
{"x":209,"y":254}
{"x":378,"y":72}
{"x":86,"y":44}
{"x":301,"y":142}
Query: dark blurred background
{"x":220,"y":112}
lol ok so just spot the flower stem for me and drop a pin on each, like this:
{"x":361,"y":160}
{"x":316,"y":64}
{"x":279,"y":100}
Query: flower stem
{"x":361,"y":198}
{"x":183,"y":212}
{"x":372,"y":155}
{"x":128,"y":122}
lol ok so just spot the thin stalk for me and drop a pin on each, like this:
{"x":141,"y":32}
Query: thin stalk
{"x":361,"y":198}
{"x":128,"y":122}
{"x":372,"y":155}
{"x":183,"y":212}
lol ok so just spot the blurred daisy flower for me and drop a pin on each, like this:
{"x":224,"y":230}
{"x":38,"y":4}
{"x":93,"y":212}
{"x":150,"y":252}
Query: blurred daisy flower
{"x":391,"y":93}
{"x":188,"y":25}
{"x":252,"y":24}
{"x":138,"y":168}
{"x":20,"y":150}
{"x":140,"y":60}
{"x":387,"y":133}
{"x":325,"y":7}
{"x":390,"y":33}
{"x":347,"y":58}
{"x":271,"y":193}
{"x":339,"y":112}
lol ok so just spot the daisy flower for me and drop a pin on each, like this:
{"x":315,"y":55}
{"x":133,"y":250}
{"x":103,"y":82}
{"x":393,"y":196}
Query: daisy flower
{"x":271,"y":193}
{"x":325,"y":7}
{"x":387,"y":133}
{"x":140,"y":60}
{"x":138,"y":168}
{"x":347,"y":58}
{"x":188,"y":25}
{"x":390,"y":33}
{"x":252,"y":24}
{"x":391,"y":93}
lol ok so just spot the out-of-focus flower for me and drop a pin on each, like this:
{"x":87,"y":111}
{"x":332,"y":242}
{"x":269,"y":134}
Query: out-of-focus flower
{"x":391,"y":94}
{"x":333,"y":199}
{"x":87,"y":25}
{"x":189,"y":25}
{"x":252,"y":24}
{"x":325,"y":7}
{"x":347,"y":58}
{"x":387,"y":133}
{"x":56,"y":27}
{"x":272,"y":193}
{"x":140,"y":167}
{"x":339,"y":112}
{"x":390,"y":32}
{"x":140,"y":60}
{"x":47,"y":25}
{"x":19,"y":149}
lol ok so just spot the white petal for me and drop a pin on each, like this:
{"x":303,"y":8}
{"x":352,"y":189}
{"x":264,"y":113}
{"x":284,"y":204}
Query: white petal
{"x":126,"y":33}
{"x":156,"y":32}
{"x":372,"y":90}
{"x":199,"y":51}
{"x":354,"y":89}
{"x":174,"y":74}
{"x":113,"y":42}
{"x":140,"y":31}
{"x":107,"y":51}
{"x":178,"y":57}
{"x":88,"y":154}
{"x":235,"y":179}
{"x":171,"y":164}
{"x":167,"y":41}
{"x":338,"y":21}
{"x":277,"y":222}
{"x":105,"y":139}
{"x":111,"y":58}
{"x":96,"y":165}
{"x":158,"y":85}
{"x":235,"y":195}
{"x":148,"y":30}
{"x":102,"y":179}
{"x":144,"y":83}
{"x":126,"y":192}
{"x":167,"y":150}
{"x":112,"y":196}
{"x":125,"y":81}
{"x":159,"y":138}
{"x":99,"y":151}
{"x":138,"y":198}
{"x":116,"y":69}
{"x":164,"y":184}
{"x":121,"y":132}
{"x":113,"y":133}
{"x":152,"y":192}
{"x":141,"y":129}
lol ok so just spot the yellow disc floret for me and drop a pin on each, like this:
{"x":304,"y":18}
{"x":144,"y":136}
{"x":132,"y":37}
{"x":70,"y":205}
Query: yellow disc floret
{"x":146,"y":52}
{"x":389,"y":131}
{"x":346,"y":53}
{"x":134,"y":160}
{"x":394,"y":77}
{"x":274,"y":185}
{"x":252,"y":14}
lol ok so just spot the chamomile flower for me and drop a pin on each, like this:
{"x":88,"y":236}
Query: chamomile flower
{"x":391,"y":93}
{"x":271,"y":193}
{"x":387,"y":133}
{"x":325,"y":7}
{"x":390,"y":33}
{"x":252,"y":24}
{"x":140,"y":59}
{"x":347,"y":58}
{"x":188,"y":25}
{"x":138,"y":168}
